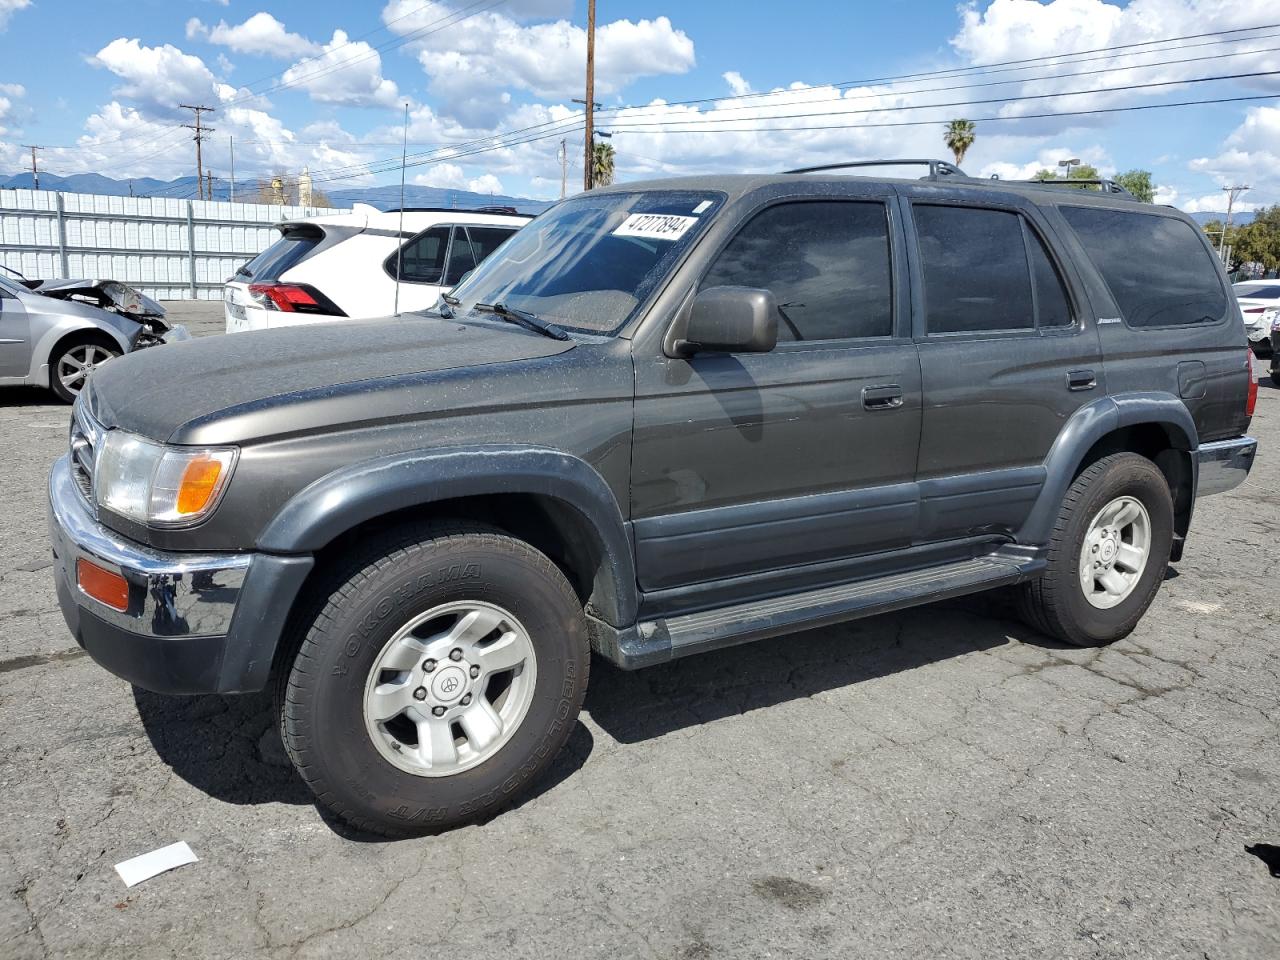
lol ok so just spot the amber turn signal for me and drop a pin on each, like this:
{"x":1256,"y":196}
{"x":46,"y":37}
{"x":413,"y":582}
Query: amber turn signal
{"x":199,"y":482}
{"x":105,"y":586}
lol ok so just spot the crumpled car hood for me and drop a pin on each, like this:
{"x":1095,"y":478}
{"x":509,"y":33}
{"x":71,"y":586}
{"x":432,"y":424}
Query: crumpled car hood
{"x":155,"y":392}
{"x":103,"y":293}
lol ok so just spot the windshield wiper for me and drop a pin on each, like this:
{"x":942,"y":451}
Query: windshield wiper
{"x":530,"y":321}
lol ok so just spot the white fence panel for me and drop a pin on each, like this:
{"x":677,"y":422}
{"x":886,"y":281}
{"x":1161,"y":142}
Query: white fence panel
{"x":170,"y":249}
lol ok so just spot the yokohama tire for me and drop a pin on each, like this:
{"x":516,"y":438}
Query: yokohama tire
{"x":1056,"y":603}
{"x":397,"y":577}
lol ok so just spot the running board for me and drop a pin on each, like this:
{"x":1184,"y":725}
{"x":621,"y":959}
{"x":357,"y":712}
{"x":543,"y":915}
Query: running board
{"x":656,"y":641}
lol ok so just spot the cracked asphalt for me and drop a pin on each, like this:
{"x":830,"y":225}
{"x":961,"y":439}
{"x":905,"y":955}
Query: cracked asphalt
{"x":942,"y":782}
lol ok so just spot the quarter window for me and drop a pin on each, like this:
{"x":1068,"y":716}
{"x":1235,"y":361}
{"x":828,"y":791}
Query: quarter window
{"x":826,"y":263}
{"x":1053,"y":309}
{"x":1157,"y":268}
{"x":976,"y":273}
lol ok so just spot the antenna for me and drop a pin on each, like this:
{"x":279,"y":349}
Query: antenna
{"x":404,"y":157}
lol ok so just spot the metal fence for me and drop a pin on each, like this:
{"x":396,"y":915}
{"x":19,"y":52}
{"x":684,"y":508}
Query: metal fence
{"x":169,"y":249}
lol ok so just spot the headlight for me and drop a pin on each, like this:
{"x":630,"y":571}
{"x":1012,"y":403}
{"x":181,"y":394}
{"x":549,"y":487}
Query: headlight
{"x":159,"y":484}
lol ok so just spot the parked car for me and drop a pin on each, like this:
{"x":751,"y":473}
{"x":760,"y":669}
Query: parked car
{"x":1260,"y":306}
{"x":1275,"y":351}
{"x":345,"y":266}
{"x":55,"y":333}
{"x":667,"y":417}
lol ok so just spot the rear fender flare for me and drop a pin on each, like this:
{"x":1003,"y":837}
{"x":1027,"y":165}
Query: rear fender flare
{"x":1086,"y":427}
{"x":355,"y":494}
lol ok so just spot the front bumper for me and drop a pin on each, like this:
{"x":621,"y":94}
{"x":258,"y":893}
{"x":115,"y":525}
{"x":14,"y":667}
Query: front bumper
{"x":195,"y":623}
{"x":1224,"y":464}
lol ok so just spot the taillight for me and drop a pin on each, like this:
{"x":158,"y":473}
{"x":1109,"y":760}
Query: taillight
{"x":1251,"y":400}
{"x":293,"y":298}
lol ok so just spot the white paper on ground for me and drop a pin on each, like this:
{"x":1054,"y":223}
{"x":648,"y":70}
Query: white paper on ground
{"x":156,"y":862}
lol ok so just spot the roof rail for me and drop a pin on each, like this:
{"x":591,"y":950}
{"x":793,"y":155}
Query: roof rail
{"x":1106,"y":186}
{"x":509,"y":211}
{"x":937,"y":168}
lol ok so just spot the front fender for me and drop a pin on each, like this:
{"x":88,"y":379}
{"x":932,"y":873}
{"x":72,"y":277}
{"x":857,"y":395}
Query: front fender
{"x":1086,"y":427}
{"x":354,"y":494}
{"x":49,"y":327}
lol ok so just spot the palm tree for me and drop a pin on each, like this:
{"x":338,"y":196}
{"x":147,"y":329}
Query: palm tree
{"x":602,"y":165}
{"x":959,"y":138}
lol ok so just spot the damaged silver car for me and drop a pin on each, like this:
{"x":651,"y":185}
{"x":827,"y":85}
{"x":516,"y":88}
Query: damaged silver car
{"x":55,"y":333}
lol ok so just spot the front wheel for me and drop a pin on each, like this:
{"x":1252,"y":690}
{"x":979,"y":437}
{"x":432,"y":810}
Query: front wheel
{"x":1108,"y":553}
{"x":439,"y":681}
{"x":70,"y":368}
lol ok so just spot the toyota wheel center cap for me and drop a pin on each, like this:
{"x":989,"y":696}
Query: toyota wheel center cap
{"x":449,"y":684}
{"x":1108,"y":550}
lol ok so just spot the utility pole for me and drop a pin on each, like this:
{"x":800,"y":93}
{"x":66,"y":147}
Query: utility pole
{"x":209,"y":180}
{"x":564,"y":168}
{"x":200,"y":130}
{"x":591,"y":95}
{"x":35,"y":167}
{"x":232,"y":141}
{"x":1232,"y":192}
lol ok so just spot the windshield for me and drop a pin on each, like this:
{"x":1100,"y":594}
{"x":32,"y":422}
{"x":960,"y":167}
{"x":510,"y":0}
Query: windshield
{"x":588,"y":263}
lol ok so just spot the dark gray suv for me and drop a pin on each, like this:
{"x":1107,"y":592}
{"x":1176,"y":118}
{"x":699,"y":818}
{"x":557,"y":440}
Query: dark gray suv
{"x":663,"y":418}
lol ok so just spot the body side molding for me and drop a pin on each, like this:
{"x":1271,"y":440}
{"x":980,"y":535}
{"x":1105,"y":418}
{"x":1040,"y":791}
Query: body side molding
{"x":354,"y":494}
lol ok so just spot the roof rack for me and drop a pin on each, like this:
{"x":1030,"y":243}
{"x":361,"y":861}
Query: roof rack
{"x":937,"y":168}
{"x":1106,"y":186}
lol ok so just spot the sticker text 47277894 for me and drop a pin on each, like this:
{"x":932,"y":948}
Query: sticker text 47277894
{"x":655,"y":226}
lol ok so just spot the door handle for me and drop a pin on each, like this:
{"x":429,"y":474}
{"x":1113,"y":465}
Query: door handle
{"x":888,"y":397}
{"x":1081,"y":380}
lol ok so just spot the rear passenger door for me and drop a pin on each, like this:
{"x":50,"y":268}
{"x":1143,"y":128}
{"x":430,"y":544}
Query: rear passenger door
{"x":1006,"y":356}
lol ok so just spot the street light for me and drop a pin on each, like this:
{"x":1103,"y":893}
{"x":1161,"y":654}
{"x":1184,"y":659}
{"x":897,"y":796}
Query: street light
{"x":1073,"y":162}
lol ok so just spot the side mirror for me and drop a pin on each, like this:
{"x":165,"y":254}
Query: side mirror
{"x":730,"y":320}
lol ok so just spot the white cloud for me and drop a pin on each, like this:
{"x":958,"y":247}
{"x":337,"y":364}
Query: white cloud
{"x":736,"y":83}
{"x":473,"y":58}
{"x":1249,"y":155}
{"x":1046,"y":158}
{"x":157,"y":77}
{"x":347,"y":73}
{"x":262,"y":34}
{"x":9,"y":92}
{"x":8,"y":8}
{"x":1217,"y":203}
{"x":485,"y":183}
{"x":446,"y":176}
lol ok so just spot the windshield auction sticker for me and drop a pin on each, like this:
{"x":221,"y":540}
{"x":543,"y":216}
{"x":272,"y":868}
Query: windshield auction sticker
{"x":655,"y":226}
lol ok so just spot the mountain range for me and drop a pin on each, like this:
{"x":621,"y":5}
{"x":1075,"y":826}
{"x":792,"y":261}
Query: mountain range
{"x":384,"y":198}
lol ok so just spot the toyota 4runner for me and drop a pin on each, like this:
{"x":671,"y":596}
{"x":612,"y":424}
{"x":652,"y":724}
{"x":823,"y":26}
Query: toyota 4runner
{"x":661,"y":419}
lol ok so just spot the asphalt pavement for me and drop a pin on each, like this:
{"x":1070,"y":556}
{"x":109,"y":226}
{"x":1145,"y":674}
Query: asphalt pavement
{"x":942,"y":782}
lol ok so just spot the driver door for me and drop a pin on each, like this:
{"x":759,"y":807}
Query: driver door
{"x":15,"y":336}
{"x":758,"y":471}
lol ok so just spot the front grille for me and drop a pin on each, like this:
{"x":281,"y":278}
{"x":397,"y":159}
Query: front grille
{"x":85,"y":434}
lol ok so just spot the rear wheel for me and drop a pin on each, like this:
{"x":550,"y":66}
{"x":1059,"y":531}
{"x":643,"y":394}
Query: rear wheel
{"x":1108,"y":554}
{"x":70,"y":368}
{"x":439,"y":681}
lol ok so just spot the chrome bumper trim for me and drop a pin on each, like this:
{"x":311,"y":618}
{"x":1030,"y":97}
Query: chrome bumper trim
{"x":1224,"y":464}
{"x":170,"y":594}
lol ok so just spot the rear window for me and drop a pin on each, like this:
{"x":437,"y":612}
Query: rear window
{"x":290,"y":250}
{"x":1158,"y":269}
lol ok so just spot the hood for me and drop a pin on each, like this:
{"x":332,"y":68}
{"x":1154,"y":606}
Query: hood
{"x":108,"y":294}
{"x":155,"y":392}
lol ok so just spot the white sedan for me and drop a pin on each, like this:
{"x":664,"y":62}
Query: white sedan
{"x":345,"y":266}
{"x":1260,"y":304}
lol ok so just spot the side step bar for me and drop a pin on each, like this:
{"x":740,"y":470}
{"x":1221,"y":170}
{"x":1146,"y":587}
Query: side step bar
{"x":657,"y":641}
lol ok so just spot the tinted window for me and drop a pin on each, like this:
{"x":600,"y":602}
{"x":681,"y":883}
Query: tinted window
{"x":422,"y":258}
{"x":976,"y":275}
{"x":1053,"y":309}
{"x":290,"y":250}
{"x":485,"y":240}
{"x":827,"y":265}
{"x":1257,"y":291}
{"x":1157,"y":268}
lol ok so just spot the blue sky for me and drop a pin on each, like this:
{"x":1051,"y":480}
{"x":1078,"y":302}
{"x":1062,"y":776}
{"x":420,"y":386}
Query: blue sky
{"x":323,"y":84}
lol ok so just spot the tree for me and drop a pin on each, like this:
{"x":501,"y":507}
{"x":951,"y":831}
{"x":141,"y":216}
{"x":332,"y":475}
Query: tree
{"x":602,"y":164}
{"x":1138,"y":182}
{"x":959,"y":137}
{"x":1082,"y":172}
